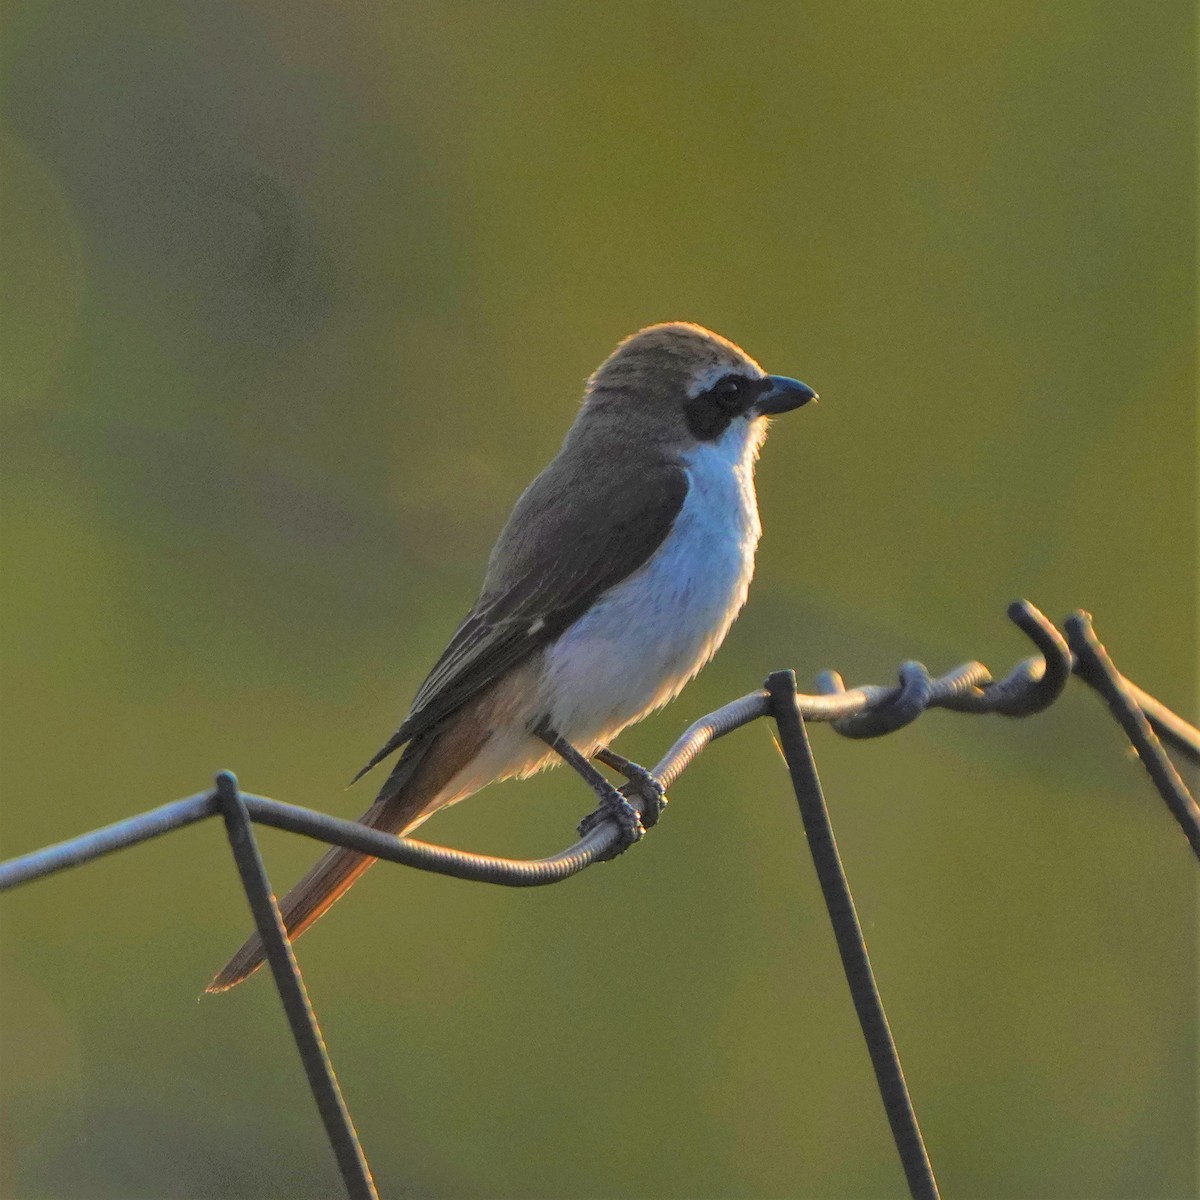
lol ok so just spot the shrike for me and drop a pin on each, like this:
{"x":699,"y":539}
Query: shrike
{"x":614,"y":581}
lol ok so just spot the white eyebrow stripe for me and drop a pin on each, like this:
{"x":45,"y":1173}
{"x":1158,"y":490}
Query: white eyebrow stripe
{"x":538,"y":625}
{"x":705,"y":380}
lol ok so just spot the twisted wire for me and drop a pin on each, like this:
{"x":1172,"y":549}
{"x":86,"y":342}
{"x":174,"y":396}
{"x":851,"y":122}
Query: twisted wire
{"x":871,"y":710}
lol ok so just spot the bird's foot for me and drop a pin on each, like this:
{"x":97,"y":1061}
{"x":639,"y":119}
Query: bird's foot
{"x":642,"y":784}
{"x":649,"y":791}
{"x":616,"y":807}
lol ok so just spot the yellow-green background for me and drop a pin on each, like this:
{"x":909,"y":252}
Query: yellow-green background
{"x":299,"y":295}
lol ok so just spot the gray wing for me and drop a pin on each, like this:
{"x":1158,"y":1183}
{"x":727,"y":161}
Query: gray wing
{"x":602,"y":535}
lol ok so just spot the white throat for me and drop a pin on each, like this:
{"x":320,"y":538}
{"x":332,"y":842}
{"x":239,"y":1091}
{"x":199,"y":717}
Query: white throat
{"x":716,"y":466}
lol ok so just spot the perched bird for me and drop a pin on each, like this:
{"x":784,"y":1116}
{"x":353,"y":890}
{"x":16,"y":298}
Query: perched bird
{"x":615,"y":579}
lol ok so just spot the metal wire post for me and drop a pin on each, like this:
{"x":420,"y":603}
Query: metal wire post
{"x":1096,"y":669}
{"x":847,"y":931}
{"x":339,"y":1127}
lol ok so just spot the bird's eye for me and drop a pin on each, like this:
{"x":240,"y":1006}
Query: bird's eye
{"x":728,"y":394}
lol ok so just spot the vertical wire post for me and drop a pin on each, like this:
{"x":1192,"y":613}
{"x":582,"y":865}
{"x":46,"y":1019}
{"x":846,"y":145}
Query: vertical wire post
{"x":847,"y":931}
{"x":352,"y":1163}
{"x":1096,"y":668}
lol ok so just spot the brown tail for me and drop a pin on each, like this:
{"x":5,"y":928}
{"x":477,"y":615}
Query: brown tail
{"x":397,"y":810}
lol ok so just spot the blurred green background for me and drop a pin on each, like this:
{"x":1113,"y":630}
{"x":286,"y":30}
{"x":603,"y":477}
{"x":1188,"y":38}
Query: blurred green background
{"x":298,"y":296}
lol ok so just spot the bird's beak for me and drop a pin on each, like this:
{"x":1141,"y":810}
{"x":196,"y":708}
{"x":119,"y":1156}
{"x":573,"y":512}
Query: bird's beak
{"x":781,"y":395}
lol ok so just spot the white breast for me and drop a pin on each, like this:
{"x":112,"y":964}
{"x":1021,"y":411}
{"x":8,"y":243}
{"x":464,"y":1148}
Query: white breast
{"x":640,"y":643}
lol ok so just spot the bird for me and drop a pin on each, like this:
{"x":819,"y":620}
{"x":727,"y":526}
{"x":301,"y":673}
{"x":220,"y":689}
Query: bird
{"x":613,"y":582}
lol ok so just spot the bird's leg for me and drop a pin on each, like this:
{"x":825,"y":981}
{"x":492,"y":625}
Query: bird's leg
{"x":612,"y":803}
{"x":649,"y":790}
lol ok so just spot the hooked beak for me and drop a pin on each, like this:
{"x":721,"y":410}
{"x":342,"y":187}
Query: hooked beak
{"x":781,"y":395}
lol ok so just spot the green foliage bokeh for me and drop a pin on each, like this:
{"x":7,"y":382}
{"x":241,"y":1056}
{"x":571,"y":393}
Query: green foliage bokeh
{"x":298,"y":296}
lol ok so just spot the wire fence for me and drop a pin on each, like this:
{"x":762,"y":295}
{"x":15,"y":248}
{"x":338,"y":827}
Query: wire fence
{"x":1030,"y":687}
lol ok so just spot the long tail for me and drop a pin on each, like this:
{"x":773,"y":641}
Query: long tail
{"x":399,"y":808}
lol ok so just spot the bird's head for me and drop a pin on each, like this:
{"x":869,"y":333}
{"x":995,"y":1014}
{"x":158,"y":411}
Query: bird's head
{"x":681,"y":385}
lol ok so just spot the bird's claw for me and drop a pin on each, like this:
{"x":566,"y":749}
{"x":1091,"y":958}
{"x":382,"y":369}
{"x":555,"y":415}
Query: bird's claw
{"x":649,"y":791}
{"x":618,"y":808}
